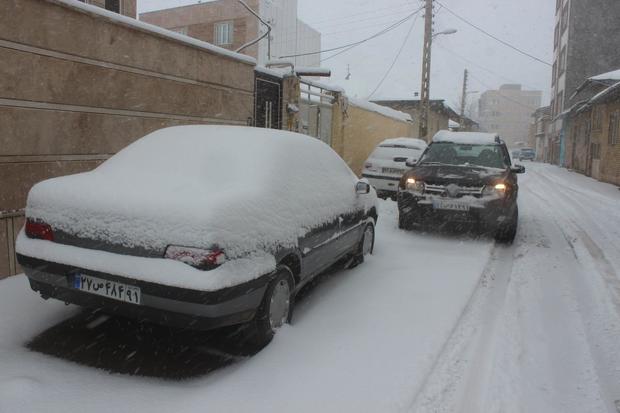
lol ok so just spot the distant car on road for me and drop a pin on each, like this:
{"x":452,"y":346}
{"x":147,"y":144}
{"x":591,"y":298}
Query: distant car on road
{"x":527,"y":154}
{"x":462,"y":177}
{"x":388,"y":162}
{"x":198,"y":227}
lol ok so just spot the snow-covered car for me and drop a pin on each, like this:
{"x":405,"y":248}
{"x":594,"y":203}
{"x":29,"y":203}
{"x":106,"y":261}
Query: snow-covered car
{"x":527,"y":154}
{"x":198,"y":226}
{"x":389,"y":161}
{"x":462,"y":177}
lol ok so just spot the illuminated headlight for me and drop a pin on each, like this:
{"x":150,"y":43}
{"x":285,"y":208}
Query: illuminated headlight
{"x":496,"y":189}
{"x":203,"y":259}
{"x":413,"y":185}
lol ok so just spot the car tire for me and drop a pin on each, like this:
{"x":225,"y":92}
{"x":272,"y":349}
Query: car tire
{"x":365,"y":246}
{"x":405,"y":222}
{"x":506,"y":233}
{"x":275,"y":310}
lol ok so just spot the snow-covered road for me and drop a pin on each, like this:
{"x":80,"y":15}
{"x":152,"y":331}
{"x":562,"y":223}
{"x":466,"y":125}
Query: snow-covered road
{"x":430,"y":323}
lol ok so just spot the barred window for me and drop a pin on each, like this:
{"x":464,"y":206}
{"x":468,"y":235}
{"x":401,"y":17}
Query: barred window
{"x":614,"y":128}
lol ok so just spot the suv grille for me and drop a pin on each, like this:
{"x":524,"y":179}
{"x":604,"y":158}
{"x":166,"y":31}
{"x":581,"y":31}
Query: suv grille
{"x":453,"y":190}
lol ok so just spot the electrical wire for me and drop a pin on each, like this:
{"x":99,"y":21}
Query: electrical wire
{"x":505,"y":43}
{"x":351,"y":45}
{"x":400,"y":50}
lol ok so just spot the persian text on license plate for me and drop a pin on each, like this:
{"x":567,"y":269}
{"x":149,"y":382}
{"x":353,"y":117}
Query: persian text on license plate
{"x":107,"y":288}
{"x":451,"y":205}
{"x":394,"y":171}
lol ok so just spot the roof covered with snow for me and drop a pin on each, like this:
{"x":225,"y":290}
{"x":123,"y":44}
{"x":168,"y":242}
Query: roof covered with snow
{"x":453,"y":125}
{"x":613,"y":75}
{"x":383,"y":110}
{"x":413,"y":142}
{"x":472,"y":138}
{"x":128,"y":21}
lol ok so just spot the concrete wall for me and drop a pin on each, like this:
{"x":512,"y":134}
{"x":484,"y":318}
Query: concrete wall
{"x":356,"y":132}
{"x":82,"y":86}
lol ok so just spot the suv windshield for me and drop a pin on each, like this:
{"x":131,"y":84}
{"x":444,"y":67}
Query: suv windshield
{"x":489,"y":156}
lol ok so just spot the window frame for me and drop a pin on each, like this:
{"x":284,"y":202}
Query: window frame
{"x":228,"y":39}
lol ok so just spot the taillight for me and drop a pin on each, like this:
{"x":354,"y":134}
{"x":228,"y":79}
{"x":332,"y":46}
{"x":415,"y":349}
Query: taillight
{"x":39,"y":230}
{"x":203,"y":259}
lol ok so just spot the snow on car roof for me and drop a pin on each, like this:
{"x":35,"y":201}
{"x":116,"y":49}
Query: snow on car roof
{"x":471,"y":138}
{"x":412,"y":142}
{"x":241,"y":188}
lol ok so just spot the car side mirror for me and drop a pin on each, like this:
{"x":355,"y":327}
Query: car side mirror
{"x":411,"y":162}
{"x":362,"y":187}
{"x":518,"y":169}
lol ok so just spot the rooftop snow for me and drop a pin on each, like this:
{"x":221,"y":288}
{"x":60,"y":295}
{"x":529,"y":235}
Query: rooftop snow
{"x":472,"y":138}
{"x":613,"y":75}
{"x":405,"y":142}
{"x":383,"y":110}
{"x":128,"y":21}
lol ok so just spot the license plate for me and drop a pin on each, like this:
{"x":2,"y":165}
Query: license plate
{"x":451,"y":205}
{"x":106,"y":288}
{"x":393,"y":171}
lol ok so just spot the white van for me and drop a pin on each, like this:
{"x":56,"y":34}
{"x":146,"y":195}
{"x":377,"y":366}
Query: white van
{"x":388,"y":162}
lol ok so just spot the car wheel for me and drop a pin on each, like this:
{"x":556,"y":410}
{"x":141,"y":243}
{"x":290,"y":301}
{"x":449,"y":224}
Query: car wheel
{"x":506,"y":233}
{"x":405,"y":222}
{"x":365,"y":247}
{"x":276,"y":308}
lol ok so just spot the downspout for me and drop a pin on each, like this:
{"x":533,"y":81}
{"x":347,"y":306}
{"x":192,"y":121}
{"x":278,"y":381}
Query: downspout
{"x":266,"y":34}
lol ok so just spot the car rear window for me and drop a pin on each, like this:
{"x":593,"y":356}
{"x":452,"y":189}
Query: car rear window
{"x":392,"y":151}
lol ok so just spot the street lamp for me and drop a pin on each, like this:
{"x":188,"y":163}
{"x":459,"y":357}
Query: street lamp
{"x":447,"y":31}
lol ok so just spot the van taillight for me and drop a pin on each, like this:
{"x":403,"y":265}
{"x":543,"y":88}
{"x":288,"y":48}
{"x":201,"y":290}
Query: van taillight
{"x":39,"y":230}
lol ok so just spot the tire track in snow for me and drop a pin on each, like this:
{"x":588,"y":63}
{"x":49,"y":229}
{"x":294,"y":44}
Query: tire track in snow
{"x":442,"y":387}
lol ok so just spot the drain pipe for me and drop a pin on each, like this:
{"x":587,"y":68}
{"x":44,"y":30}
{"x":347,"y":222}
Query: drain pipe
{"x":267,"y":34}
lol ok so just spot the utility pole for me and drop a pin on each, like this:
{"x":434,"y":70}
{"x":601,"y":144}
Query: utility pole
{"x":426,"y":70}
{"x":464,"y":97}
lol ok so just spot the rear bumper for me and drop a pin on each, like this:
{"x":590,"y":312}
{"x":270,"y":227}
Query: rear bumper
{"x":420,"y":210}
{"x":383,"y":184}
{"x":161,"y":304}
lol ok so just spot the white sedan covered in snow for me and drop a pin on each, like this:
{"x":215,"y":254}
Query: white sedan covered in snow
{"x":198,"y":226}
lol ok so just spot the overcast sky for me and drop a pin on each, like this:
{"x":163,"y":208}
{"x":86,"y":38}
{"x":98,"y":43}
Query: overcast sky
{"x":527,"y":24}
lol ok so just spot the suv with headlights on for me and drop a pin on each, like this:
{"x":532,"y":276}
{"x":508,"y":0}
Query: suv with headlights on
{"x":462,"y":177}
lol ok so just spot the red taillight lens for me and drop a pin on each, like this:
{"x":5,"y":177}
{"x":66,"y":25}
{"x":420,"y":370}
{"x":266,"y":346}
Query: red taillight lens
{"x":39,"y":230}
{"x":196,"y":257}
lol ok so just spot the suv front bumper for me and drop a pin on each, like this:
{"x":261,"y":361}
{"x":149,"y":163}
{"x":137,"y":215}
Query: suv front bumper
{"x":161,"y":304}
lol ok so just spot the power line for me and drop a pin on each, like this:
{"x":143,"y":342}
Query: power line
{"x":350,"y":45}
{"x":402,"y":46}
{"x":505,"y":43}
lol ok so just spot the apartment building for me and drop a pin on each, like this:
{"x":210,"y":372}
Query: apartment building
{"x":586,"y":39}
{"x":507,"y":111}
{"x":228,"y":24}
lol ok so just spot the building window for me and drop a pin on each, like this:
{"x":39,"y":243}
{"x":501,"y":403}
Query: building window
{"x":597,"y":119}
{"x":558,"y":4}
{"x":562,"y":62}
{"x":181,"y":30}
{"x":224,"y":33}
{"x":564,"y":17}
{"x":560,"y":102}
{"x":113,"y":5}
{"x":556,"y":36}
{"x":614,"y":128}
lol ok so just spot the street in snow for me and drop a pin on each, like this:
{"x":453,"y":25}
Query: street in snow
{"x":430,"y":323}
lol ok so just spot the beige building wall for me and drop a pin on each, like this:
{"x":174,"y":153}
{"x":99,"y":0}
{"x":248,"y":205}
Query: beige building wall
{"x":356,"y":132}
{"x":82,"y":86}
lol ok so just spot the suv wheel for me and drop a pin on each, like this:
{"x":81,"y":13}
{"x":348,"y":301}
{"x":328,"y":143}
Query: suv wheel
{"x":507,"y":231}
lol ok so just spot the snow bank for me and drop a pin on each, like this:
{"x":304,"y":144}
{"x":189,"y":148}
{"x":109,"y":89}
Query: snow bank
{"x":471,"y":138}
{"x":246,"y":190}
{"x":128,"y":21}
{"x":383,"y":110}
